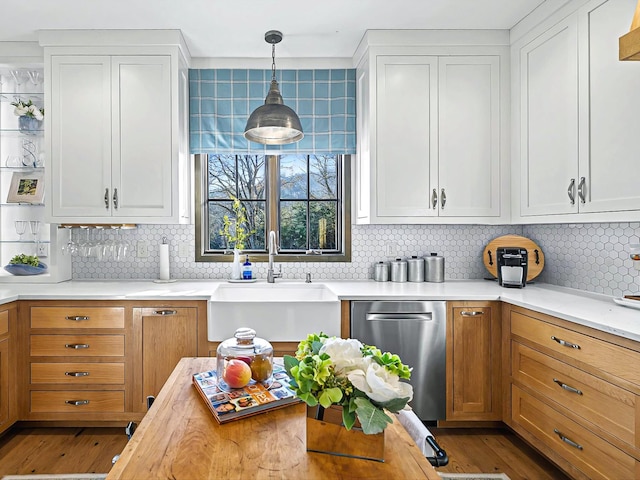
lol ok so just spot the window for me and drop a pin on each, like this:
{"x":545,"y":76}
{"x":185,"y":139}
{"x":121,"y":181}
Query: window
{"x":303,"y":198}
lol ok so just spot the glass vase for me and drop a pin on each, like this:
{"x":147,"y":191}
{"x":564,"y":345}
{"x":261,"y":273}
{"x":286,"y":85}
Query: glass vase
{"x":29,"y":124}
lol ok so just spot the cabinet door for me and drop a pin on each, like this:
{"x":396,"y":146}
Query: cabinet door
{"x":469,"y":136}
{"x":549,"y":121}
{"x":80,"y":123}
{"x":406,"y":136}
{"x":362,"y":179}
{"x":4,"y":382}
{"x":162,"y":336}
{"x":142,"y":136}
{"x":610,"y":102}
{"x":473,"y":361}
{"x":8,"y":365}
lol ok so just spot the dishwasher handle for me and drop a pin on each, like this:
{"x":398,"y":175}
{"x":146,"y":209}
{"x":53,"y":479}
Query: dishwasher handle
{"x":394,"y":317}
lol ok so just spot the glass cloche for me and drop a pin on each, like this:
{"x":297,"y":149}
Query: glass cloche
{"x":244,"y":360}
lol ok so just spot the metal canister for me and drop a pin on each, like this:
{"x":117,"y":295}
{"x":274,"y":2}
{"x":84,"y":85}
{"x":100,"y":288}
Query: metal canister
{"x":398,"y":270}
{"x":434,"y":268}
{"x":381,"y":272}
{"x":415,"y":269}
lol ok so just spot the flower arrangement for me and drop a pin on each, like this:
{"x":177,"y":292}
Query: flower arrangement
{"x":242,"y":233}
{"x":360,"y":378}
{"x":27,"y":109}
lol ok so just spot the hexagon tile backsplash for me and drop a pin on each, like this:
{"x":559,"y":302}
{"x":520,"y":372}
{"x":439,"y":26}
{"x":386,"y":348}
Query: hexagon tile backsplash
{"x":592,"y":257}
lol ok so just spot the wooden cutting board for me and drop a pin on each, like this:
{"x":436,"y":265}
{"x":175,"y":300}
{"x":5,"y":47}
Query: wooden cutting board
{"x":535,"y":256}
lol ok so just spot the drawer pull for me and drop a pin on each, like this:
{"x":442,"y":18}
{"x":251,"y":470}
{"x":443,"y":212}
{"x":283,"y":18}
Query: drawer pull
{"x":77,"y":318}
{"x":567,"y":440}
{"x":466,"y":313}
{"x":165,"y":312}
{"x":76,"y":374}
{"x":567,"y":387}
{"x":564,"y":343}
{"x":76,"y":346}
{"x":77,"y":402}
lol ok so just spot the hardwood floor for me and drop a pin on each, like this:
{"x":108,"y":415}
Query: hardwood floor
{"x":59,"y":450}
{"x":493,"y":451}
{"x":90,"y":450}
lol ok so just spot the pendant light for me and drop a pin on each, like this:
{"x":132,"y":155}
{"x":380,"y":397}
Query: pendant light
{"x":273,"y":123}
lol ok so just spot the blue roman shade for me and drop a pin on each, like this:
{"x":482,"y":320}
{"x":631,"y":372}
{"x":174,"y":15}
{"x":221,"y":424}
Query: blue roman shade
{"x":221,"y":100}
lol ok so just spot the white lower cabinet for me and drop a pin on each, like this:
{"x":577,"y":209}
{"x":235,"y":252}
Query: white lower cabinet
{"x":575,"y":129}
{"x":431,"y":130}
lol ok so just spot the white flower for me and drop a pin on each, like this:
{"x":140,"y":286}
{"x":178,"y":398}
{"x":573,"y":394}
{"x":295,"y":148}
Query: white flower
{"x":345,"y":354}
{"x":20,"y":110}
{"x":37,"y":114}
{"x":379,"y":384}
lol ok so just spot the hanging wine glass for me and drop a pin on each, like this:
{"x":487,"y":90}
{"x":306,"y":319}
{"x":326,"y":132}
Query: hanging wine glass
{"x":35,"y":76}
{"x":18,"y":77}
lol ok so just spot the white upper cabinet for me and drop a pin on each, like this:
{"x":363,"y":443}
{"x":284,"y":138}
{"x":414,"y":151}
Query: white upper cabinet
{"x":575,"y":105}
{"x":116,"y":128}
{"x":549,"y":121}
{"x":609,"y":106}
{"x":432,"y":132}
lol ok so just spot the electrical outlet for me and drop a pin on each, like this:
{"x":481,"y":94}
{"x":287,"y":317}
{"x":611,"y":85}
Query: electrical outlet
{"x":392,"y":249}
{"x":42,"y":250}
{"x":142,"y":249}
{"x":183,"y":250}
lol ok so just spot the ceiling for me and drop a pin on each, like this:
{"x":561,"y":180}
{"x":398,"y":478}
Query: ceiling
{"x":235,"y":28}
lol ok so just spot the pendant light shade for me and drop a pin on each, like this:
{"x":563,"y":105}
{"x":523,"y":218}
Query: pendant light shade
{"x":273,"y":123}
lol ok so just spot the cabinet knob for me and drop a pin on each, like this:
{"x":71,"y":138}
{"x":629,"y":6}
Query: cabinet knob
{"x":582,"y":190}
{"x":77,"y":318}
{"x":77,"y":402}
{"x":115,"y":198}
{"x":76,"y":346}
{"x":443,"y":198}
{"x":76,"y":374}
{"x":434,"y":199}
{"x":466,"y":313}
{"x":165,"y":312}
{"x":106,"y":198}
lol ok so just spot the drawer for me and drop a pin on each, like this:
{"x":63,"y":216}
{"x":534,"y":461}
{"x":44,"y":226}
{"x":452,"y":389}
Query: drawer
{"x":597,"y":401}
{"x":590,"y":454}
{"x":77,"y":317}
{"x":77,"y":401}
{"x":607,"y":357}
{"x":77,"y":345}
{"x":77,"y":373}
{"x":4,"y":322}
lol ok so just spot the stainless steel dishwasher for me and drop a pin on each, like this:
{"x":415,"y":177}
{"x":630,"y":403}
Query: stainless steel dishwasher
{"x":415,"y":330}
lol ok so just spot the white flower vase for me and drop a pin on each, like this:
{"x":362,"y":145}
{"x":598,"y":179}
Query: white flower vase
{"x":29,"y":124}
{"x":236,"y":268}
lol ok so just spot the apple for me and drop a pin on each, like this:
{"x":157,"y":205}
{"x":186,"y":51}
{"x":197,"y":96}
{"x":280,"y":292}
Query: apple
{"x":236,"y":374}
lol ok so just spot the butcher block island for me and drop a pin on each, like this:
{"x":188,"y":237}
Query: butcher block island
{"x":179,"y":439}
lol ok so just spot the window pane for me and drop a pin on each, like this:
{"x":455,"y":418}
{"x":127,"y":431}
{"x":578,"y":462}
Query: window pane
{"x":323,"y":176}
{"x":293,"y":225}
{"x":222,"y":176}
{"x":251,"y":180}
{"x":323,"y":225}
{"x":255,"y":212}
{"x":293,"y":176}
{"x":217,"y":210}
{"x":256,"y":219}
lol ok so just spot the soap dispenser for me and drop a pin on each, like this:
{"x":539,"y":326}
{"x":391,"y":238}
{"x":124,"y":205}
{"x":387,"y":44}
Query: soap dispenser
{"x":247,"y":274}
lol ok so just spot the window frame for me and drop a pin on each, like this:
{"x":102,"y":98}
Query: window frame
{"x":272,"y":215}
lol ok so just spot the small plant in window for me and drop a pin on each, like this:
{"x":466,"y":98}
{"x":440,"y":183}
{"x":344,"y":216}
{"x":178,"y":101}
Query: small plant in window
{"x":236,"y":232}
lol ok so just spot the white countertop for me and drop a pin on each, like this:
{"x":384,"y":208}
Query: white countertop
{"x":592,"y":310}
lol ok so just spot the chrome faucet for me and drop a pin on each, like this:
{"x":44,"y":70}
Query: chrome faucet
{"x":273,"y":249}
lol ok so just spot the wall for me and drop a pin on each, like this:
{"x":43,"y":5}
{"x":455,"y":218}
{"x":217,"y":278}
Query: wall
{"x":591,"y":257}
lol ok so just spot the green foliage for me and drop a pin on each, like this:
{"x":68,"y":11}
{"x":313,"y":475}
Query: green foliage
{"x":23,"y":259}
{"x":242,"y":233}
{"x":372,"y":419}
{"x":390,"y":361}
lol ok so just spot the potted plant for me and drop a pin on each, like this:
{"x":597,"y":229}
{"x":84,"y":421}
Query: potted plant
{"x":360,"y":379}
{"x":236,"y":233}
{"x":23,"y":264}
{"x":29,"y":115}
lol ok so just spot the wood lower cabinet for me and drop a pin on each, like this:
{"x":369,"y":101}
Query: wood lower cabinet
{"x":474,"y":361}
{"x":162,"y":336}
{"x":88,"y":361}
{"x":8,"y":362}
{"x":573,"y":393}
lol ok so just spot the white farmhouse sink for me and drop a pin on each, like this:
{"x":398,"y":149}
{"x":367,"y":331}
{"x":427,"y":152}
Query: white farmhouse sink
{"x":279,"y":312}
